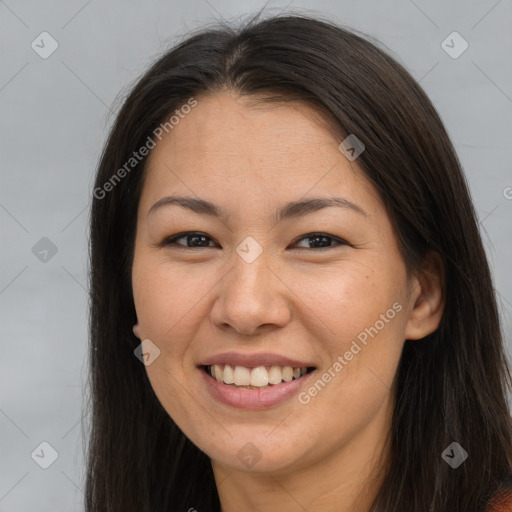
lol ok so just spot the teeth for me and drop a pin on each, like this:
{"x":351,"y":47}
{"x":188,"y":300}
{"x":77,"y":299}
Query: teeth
{"x":242,"y":376}
{"x":217,"y":372}
{"x":275,"y":376}
{"x":229,"y":375}
{"x":259,"y":377}
{"x":287,"y":373}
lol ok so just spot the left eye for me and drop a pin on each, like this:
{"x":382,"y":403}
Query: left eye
{"x":321,"y":240}
{"x":200,"y":240}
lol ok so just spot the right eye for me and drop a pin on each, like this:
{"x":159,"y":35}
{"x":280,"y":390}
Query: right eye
{"x":196,"y":239}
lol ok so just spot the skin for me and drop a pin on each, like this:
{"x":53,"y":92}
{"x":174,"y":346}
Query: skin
{"x":294,"y":299}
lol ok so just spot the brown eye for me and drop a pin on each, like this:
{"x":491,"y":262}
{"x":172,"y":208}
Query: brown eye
{"x":321,"y":241}
{"x":192,"y":240}
{"x":197,"y":240}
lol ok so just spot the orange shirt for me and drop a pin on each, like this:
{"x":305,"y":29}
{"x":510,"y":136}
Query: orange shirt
{"x":501,"y":502}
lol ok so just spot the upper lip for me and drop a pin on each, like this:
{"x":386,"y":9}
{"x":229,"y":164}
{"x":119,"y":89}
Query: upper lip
{"x":254,"y":360}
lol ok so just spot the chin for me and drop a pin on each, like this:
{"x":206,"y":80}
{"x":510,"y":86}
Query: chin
{"x":252,"y":453}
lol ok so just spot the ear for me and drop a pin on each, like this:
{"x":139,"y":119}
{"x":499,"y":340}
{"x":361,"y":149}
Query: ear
{"x":136,"y":330}
{"x":429,"y":298}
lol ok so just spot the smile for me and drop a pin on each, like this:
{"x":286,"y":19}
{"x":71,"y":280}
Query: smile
{"x":261,"y":377}
{"x":248,"y":396}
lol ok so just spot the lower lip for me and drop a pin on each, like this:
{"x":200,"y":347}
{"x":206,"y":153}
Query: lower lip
{"x":253,"y":398}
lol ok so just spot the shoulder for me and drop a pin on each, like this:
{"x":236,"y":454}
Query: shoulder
{"x":501,"y":500}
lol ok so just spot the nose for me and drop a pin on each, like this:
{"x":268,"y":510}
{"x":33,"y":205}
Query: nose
{"x":252,"y":298}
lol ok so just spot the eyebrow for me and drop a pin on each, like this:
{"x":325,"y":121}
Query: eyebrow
{"x":290,"y":210}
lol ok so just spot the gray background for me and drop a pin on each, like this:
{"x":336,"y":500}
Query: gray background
{"x":55,"y":117}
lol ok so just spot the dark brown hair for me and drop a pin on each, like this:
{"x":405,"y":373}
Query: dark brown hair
{"x":451,"y":386}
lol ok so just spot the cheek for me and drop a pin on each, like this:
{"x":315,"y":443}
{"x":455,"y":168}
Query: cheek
{"x":182,"y":406}
{"x":349,"y":298}
{"x":164,"y":298}
{"x":172,"y":304}
{"x":356,"y":384}
{"x":362,"y":310}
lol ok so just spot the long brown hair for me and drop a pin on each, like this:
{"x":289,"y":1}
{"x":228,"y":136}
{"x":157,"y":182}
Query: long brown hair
{"x":451,"y":386}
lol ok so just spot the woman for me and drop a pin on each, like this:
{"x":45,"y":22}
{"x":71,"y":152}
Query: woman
{"x":291,"y":307}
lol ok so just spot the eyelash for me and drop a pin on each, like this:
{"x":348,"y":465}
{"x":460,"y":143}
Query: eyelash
{"x":172,"y":240}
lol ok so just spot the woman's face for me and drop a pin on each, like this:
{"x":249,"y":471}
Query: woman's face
{"x":256,"y":289}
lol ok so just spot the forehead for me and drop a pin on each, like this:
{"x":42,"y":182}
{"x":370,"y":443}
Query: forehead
{"x":231,"y":143}
{"x":228,"y":124}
